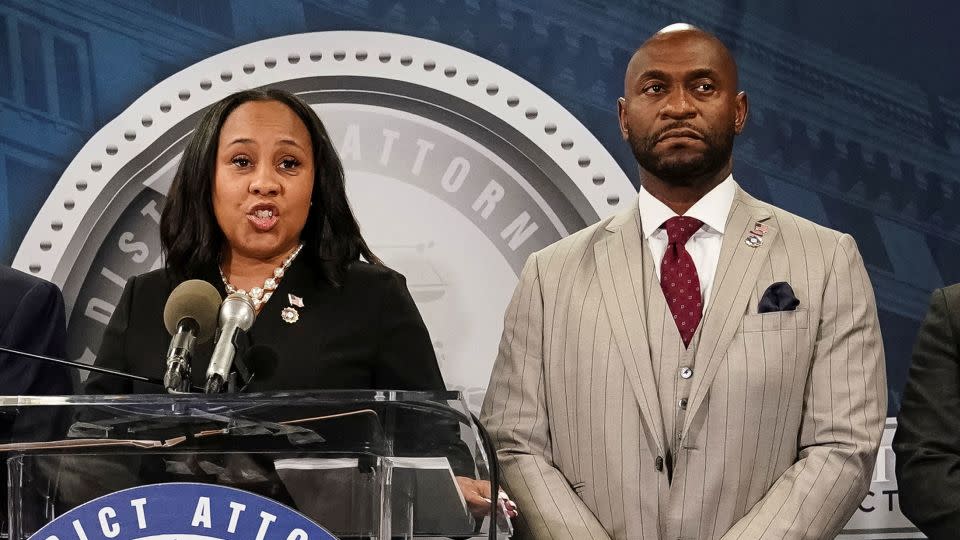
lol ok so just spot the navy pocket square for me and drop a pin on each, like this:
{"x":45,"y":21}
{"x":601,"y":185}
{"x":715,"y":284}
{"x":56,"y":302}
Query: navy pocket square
{"x":778,"y":297}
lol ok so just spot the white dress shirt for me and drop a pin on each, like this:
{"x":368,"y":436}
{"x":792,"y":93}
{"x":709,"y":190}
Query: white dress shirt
{"x":704,"y":246}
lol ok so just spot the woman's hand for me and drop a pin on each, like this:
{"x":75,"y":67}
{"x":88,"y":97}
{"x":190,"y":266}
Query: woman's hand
{"x":477,"y":495}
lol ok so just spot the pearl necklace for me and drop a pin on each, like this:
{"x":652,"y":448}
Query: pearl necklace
{"x":260,"y":295}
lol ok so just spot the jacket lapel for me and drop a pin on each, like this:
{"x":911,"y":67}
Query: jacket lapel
{"x":620,"y":258}
{"x":734,"y":281}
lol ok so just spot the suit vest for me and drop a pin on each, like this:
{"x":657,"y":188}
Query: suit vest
{"x":673,"y":363}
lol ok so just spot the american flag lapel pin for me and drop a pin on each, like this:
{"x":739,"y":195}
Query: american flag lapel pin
{"x":290,"y":314}
{"x":759,"y":229}
{"x":755,"y":238}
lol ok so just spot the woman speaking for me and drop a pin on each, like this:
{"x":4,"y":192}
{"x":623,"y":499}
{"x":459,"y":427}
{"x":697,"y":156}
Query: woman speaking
{"x":258,"y":205}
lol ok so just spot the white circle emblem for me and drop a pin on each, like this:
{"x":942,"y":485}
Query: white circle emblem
{"x":456,"y":168}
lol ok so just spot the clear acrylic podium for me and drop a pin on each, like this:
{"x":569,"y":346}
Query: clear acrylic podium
{"x":361,"y":464}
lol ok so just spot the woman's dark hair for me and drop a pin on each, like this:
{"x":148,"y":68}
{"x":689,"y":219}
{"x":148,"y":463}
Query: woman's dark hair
{"x":191,"y":238}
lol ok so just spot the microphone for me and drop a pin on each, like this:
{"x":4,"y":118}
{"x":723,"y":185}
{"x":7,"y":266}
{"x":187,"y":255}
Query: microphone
{"x":190,"y":316}
{"x":236,"y":316}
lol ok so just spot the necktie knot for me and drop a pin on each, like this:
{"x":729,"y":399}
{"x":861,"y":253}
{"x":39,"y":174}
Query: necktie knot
{"x":680,"y":229}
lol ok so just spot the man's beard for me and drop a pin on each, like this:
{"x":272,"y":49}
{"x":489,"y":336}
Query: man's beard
{"x":719,"y":147}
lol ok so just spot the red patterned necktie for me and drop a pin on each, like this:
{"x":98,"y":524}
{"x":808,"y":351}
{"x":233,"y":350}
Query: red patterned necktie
{"x":678,"y":276}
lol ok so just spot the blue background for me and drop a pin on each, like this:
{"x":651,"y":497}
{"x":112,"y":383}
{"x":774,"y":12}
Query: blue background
{"x":855,"y":108}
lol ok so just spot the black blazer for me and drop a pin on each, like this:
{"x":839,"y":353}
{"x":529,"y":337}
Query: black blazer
{"x":31,"y":320}
{"x":365,"y":334}
{"x":927,"y":441}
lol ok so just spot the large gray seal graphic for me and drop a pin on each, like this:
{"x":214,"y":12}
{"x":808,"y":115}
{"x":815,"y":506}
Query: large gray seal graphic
{"x":457,"y":170}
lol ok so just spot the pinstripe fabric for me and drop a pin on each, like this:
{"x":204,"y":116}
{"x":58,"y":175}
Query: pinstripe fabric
{"x":668,"y":354}
{"x":785,"y":410}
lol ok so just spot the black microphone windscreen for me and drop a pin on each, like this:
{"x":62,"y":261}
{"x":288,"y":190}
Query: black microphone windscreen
{"x":262,"y":361}
{"x":195,"y":299}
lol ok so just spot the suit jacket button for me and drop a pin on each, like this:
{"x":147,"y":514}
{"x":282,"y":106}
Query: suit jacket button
{"x":658,"y":463}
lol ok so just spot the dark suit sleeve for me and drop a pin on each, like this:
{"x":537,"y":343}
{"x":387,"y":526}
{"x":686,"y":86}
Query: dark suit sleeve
{"x":407,"y":361}
{"x":113,"y":348}
{"x":405,"y":356}
{"x":36,"y":326}
{"x":927,"y":440}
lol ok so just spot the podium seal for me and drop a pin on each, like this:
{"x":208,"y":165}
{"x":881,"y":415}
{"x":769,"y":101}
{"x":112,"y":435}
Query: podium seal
{"x":182,"y":511}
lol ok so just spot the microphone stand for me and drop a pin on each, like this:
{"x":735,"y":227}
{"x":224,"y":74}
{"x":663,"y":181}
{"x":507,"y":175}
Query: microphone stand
{"x":86,"y":367}
{"x":493,"y":467}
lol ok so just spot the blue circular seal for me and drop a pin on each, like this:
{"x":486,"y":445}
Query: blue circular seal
{"x":182,"y":511}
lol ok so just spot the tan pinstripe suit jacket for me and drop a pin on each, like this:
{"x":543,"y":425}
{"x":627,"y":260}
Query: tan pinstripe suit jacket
{"x":785,"y":413}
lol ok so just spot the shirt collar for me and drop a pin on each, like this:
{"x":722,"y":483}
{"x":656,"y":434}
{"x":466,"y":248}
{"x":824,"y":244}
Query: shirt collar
{"x":712,"y":209}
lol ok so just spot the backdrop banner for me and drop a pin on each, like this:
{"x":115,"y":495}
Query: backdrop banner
{"x":474,"y":133}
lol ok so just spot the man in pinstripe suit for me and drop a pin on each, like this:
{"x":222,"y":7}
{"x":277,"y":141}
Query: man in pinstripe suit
{"x":702,"y":365}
